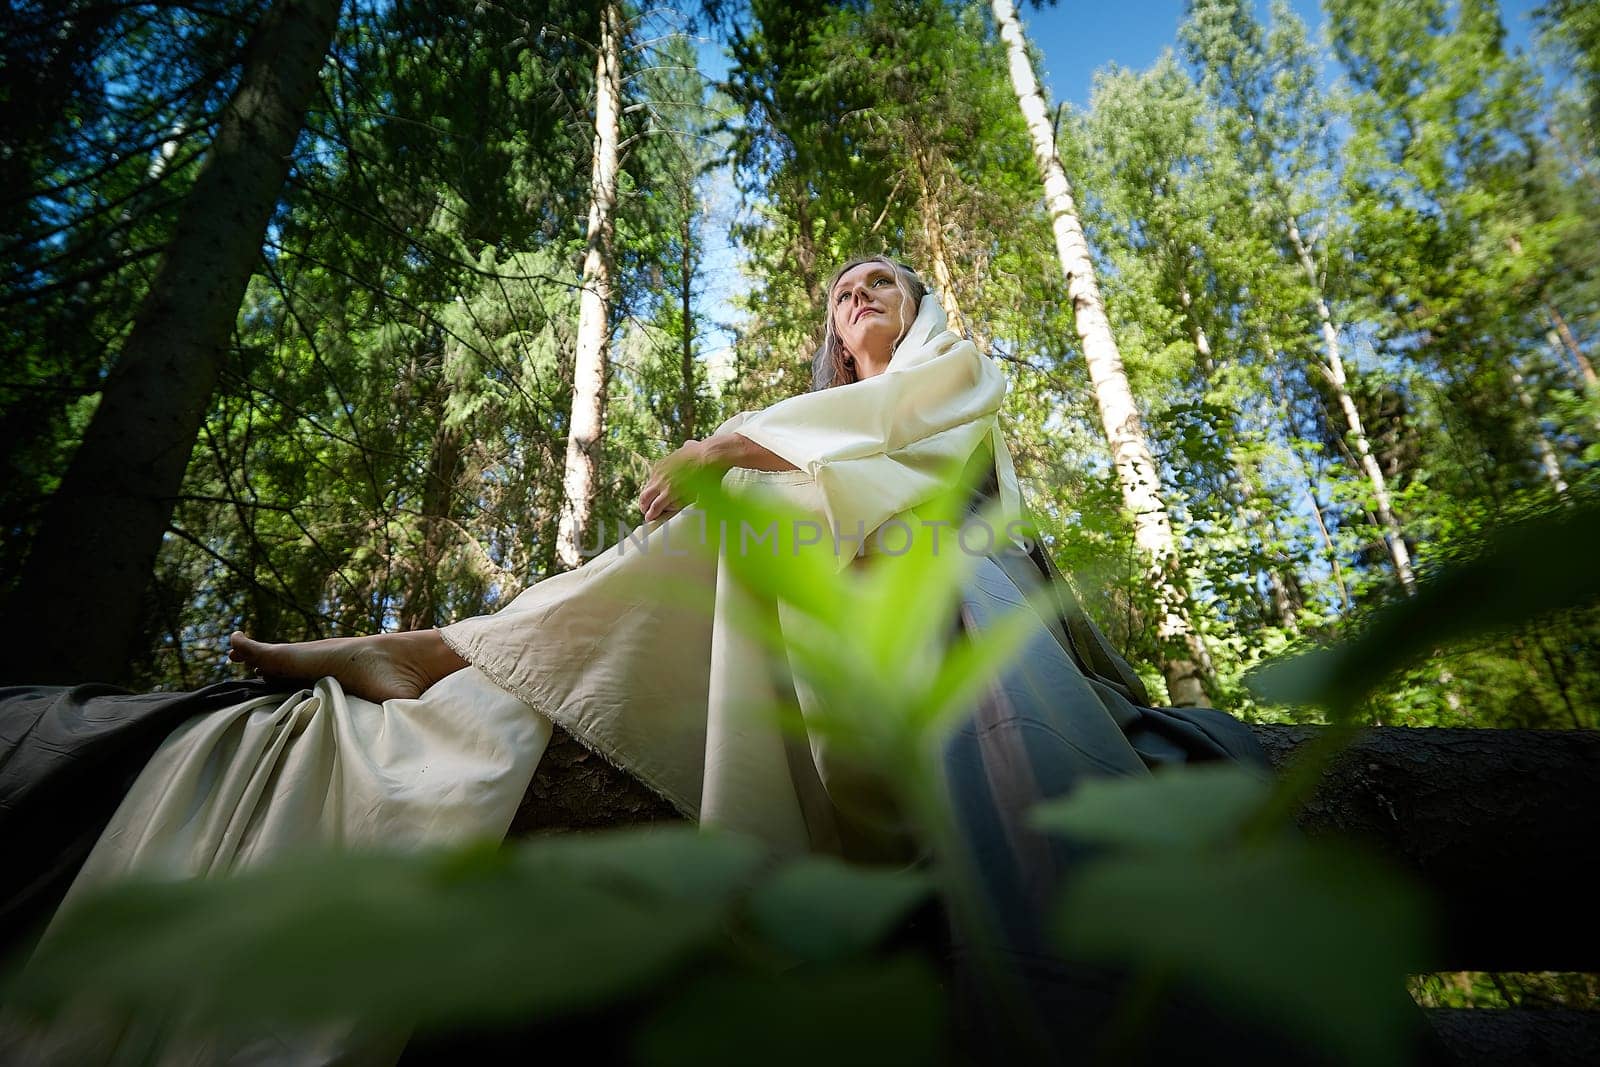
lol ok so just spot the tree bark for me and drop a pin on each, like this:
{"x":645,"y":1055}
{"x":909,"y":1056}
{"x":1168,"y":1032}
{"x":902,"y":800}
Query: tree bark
{"x":1498,"y":824}
{"x":686,"y":395}
{"x":577,"y":790}
{"x":80,"y":598}
{"x":1586,"y":375}
{"x":1486,"y":1037}
{"x":422,"y":602}
{"x":805,"y":248}
{"x":594,"y":303}
{"x":933,"y":236}
{"x":1135,"y":464}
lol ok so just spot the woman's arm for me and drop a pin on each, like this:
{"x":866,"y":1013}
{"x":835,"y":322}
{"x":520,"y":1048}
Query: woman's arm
{"x":736,"y":450}
{"x":719,"y":452}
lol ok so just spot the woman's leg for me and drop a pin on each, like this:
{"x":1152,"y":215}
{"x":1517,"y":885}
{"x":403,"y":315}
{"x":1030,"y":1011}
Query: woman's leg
{"x":376,"y":668}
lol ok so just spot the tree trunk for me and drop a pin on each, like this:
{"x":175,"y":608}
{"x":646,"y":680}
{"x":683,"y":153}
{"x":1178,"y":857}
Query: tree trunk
{"x":594,"y":305}
{"x":422,"y":602}
{"x":805,"y":249}
{"x":1548,"y":460}
{"x":81,"y":594}
{"x":1493,"y":1037}
{"x":933,"y":236}
{"x":1182,"y":649}
{"x":1496,"y":823}
{"x":686,"y":395}
{"x":1586,"y":373}
{"x":1333,"y":370}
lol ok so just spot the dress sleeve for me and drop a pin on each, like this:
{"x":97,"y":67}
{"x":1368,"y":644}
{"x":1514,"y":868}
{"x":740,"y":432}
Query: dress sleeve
{"x":878,"y":447}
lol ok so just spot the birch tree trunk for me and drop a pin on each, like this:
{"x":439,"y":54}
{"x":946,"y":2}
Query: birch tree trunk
{"x":1333,"y":371}
{"x":594,"y":303}
{"x":1548,"y":460}
{"x":76,"y":615}
{"x":1586,"y":375}
{"x":1182,"y":649}
{"x":686,"y":394}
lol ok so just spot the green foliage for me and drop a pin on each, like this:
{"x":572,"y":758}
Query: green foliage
{"x":878,"y":1012}
{"x":1525,"y":572}
{"x":1192,"y":875}
{"x":385,"y":447}
{"x":1194,"y":811}
{"x":1246,"y":925}
{"x":820,"y":909}
{"x":475,"y":935}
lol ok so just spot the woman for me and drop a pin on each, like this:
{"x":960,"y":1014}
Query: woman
{"x":433,"y":735}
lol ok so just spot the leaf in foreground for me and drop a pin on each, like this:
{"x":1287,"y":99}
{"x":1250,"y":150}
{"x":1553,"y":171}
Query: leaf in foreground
{"x":474,"y":935}
{"x":879,"y":1012}
{"x":1190,"y":808}
{"x":823,"y":909}
{"x":1312,"y":938}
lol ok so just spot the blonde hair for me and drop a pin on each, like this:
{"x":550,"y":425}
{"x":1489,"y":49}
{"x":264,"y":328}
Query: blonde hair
{"x":832,"y":365}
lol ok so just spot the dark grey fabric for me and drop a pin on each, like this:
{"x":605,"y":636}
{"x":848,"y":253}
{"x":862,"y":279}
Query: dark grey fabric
{"x":1067,"y":709}
{"x":67,"y":757}
{"x":1047,"y":723}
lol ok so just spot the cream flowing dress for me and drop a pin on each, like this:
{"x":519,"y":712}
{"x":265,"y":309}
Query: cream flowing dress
{"x":664,"y":686}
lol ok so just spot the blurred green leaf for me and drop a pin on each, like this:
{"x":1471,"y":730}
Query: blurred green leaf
{"x":876,"y":646}
{"x":1192,"y":808}
{"x":822,"y":909}
{"x":888,"y":1012}
{"x":1524,"y":572}
{"x":474,"y":935}
{"x":1312,"y":938}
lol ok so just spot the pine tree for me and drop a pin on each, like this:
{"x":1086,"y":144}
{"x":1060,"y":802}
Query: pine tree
{"x":104,"y":526}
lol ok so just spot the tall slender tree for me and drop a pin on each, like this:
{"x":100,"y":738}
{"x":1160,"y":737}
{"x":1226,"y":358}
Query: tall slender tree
{"x":1183,"y":651}
{"x":587,"y":422}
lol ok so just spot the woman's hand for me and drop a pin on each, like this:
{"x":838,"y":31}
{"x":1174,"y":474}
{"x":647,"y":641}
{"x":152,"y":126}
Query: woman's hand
{"x":659,"y":498}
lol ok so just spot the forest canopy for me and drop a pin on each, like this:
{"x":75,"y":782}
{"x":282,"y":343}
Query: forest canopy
{"x":332,"y":316}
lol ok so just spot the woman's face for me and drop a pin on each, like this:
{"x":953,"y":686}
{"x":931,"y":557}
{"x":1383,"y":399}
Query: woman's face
{"x":870,"y":311}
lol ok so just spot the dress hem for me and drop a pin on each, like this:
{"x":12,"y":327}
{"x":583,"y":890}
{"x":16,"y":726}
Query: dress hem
{"x":582,"y":737}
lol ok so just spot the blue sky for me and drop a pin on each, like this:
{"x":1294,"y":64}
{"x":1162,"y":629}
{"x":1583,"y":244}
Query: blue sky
{"x":1077,"y":38}
{"x":1074,"y":38}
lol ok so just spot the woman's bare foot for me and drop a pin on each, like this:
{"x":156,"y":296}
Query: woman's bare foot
{"x":377,"y":668}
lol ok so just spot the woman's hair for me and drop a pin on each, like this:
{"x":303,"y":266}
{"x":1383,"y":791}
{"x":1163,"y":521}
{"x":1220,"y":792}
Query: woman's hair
{"x":832,"y":365}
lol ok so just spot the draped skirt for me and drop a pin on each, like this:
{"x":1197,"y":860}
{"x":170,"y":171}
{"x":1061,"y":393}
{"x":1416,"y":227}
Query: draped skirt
{"x":668,"y":687}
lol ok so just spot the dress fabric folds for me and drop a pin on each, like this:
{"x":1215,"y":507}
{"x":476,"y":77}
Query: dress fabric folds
{"x":646,"y":654}
{"x":67,"y":757}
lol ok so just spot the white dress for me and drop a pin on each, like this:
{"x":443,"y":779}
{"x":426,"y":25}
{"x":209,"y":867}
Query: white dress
{"x":634,"y":653}
{"x":662,"y":685}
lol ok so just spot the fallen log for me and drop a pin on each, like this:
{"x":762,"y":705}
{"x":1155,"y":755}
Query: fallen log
{"x":1499,"y":824}
{"x":1481,"y":1037}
